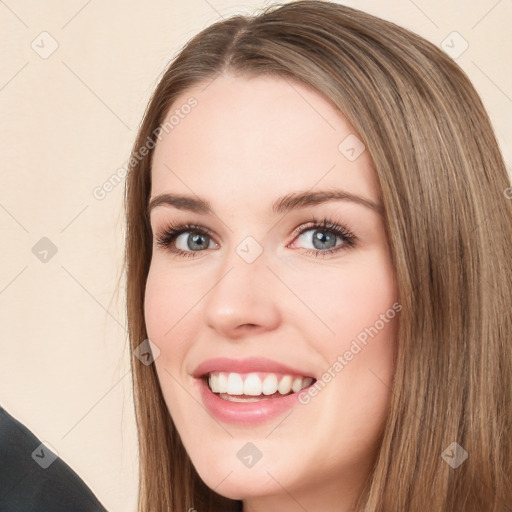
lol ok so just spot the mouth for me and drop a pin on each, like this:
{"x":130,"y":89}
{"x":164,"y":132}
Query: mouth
{"x":250,"y":391}
{"x":254,"y":386}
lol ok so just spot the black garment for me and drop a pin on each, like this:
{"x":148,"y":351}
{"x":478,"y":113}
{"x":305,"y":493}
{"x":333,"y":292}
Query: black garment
{"x":25,"y":486}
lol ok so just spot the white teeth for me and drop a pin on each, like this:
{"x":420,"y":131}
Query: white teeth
{"x":213,"y":381}
{"x":307,"y":382}
{"x":253,"y":385}
{"x":223,"y":383}
{"x":235,"y":384}
{"x":285,"y":385}
{"x":297,"y":384}
{"x":269,"y":384}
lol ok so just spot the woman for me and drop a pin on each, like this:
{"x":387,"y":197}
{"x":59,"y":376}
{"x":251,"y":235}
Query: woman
{"x":340,"y":341}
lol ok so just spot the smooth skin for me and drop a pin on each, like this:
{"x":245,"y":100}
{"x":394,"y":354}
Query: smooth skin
{"x":248,"y":142}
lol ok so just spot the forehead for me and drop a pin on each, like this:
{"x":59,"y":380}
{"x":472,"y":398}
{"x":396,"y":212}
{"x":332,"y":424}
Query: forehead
{"x":249,"y":140}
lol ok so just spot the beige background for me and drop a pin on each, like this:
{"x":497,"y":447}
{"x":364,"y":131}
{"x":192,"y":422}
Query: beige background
{"x":68,"y":122}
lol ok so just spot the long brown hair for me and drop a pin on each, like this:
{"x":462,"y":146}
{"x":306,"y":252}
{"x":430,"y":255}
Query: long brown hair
{"x":448,"y":217}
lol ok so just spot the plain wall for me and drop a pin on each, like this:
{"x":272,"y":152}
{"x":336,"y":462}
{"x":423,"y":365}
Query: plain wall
{"x":68,"y":123}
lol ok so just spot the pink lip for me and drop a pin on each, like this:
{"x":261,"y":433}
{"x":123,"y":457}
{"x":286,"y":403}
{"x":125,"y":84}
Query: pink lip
{"x":248,"y":413}
{"x":251,"y":364}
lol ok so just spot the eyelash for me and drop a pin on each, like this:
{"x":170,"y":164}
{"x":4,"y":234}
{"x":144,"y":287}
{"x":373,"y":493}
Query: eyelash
{"x":168,"y":235}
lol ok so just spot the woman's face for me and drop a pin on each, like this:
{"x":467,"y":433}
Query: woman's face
{"x":258,"y":296}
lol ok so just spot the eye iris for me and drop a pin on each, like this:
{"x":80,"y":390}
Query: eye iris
{"x":321,"y":237}
{"x":194,"y":244}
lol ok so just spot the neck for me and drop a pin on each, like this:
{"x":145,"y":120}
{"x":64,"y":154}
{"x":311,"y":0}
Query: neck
{"x":339,"y":495}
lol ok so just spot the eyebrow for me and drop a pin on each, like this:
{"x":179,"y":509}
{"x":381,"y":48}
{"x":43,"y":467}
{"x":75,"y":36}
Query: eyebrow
{"x":292,"y":201}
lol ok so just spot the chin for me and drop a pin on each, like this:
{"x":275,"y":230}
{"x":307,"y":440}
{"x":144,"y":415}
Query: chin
{"x":241,"y":484}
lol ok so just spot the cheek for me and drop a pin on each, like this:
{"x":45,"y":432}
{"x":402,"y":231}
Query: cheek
{"x":163,"y":308}
{"x":346,"y":300}
{"x":163,"y":303}
{"x":354,"y":391}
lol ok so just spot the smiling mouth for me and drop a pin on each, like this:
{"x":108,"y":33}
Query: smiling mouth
{"x":256,"y":386}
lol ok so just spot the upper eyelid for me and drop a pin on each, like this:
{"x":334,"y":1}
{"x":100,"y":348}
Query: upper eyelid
{"x":187,"y":227}
{"x":199,"y":227}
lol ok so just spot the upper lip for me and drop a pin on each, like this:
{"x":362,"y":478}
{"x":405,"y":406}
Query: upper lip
{"x":248,"y":365}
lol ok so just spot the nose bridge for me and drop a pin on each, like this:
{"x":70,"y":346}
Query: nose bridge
{"x":242,"y":293}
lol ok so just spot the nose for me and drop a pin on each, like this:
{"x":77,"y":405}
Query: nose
{"x":244,"y":299}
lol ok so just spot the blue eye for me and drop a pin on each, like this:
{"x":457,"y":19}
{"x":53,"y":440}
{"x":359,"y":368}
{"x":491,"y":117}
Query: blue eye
{"x":198,"y":238}
{"x":325,"y":235}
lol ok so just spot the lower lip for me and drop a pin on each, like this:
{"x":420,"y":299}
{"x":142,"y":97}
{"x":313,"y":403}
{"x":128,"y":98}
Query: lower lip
{"x":245,"y":413}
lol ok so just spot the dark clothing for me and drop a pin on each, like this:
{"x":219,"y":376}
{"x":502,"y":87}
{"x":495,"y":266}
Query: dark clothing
{"x":34,"y":479}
